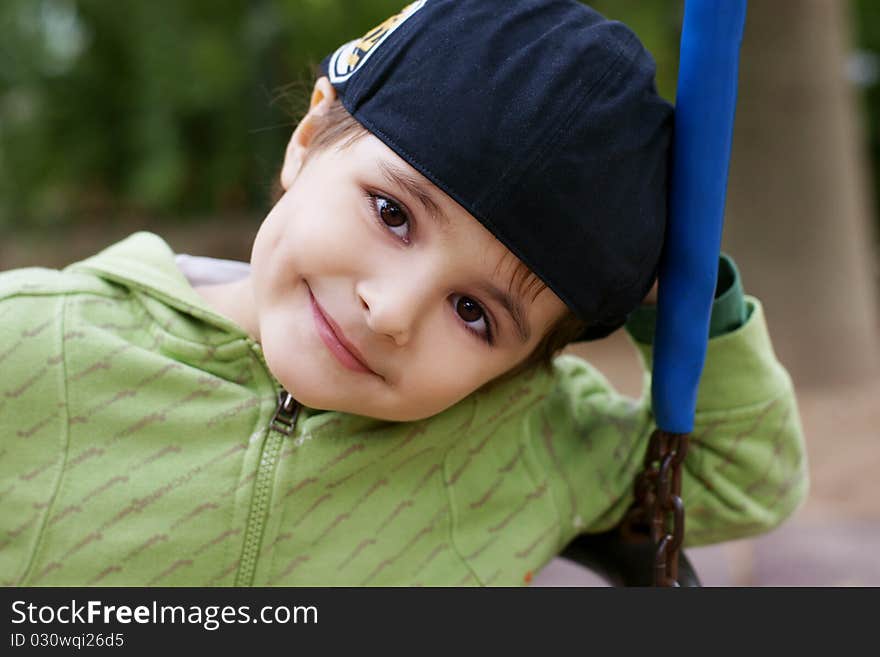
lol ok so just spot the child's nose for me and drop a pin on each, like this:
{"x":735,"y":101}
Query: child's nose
{"x":393,"y":307}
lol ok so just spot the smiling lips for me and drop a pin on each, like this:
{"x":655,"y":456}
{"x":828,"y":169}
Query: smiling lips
{"x":333,"y":337}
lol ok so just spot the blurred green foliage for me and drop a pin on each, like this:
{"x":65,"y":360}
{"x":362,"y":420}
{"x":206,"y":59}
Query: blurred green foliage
{"x":181,"y":108}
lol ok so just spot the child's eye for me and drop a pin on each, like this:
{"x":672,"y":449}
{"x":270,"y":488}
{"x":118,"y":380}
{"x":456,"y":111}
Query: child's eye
{"x":390,"y":215}
{"x":475,"y":318}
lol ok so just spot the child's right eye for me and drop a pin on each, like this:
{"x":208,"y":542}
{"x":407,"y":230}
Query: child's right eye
{"x":390,"y":214}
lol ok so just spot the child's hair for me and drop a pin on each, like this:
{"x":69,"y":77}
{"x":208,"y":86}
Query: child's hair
{"x":338,"y":128}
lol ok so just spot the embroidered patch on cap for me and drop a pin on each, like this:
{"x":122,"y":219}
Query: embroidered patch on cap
{"x":349,"y":57}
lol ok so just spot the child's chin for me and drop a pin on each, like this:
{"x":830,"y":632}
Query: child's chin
{"x":360,"y":406}
{"x":325,"y":400}
{"x":326,"y":396}
{"x":314,"y":399}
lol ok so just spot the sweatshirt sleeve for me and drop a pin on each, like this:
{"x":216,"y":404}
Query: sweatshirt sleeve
{"x":33,"y":413}
{"x":745,"y":470}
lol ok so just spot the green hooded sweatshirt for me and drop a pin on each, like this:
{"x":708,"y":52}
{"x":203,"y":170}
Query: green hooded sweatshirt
{"x":144,"y":441}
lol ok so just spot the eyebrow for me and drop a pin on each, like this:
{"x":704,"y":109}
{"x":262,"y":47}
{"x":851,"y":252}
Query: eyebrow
{"x":513,"y":307}
{"x":415,"y":188}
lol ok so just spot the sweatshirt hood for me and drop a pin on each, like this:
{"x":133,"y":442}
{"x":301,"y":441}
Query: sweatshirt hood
{"x":145,"y":262}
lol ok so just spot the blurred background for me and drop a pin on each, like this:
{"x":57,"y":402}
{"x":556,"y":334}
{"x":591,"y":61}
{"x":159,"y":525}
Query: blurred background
{"x":173,"y":115}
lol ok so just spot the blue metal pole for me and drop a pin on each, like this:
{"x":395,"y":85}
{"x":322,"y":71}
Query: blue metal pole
{"x":705,"y":103}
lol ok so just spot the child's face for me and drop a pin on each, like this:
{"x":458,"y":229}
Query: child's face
{"x":411,"y":293}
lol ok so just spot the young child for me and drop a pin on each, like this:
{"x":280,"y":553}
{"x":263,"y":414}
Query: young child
{"x":373,"y":400}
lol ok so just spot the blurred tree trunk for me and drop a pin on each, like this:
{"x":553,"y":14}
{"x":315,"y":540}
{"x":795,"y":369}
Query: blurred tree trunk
{"x":799,"y":210}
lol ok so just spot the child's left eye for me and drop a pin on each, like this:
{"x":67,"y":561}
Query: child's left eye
{"x":474,"y":317}
{"x":391,"y":215}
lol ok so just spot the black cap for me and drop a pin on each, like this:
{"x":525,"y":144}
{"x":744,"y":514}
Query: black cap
{"x":541,"y":118}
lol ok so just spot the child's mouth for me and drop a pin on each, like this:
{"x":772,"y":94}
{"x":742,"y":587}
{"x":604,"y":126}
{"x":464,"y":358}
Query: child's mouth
{"x":335,"y":340}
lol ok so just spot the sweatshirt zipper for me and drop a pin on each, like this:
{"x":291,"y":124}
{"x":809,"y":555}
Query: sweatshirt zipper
{"x":282,"y":425}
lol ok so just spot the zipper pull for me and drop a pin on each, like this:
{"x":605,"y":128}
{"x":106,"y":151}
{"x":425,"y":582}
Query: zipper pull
{"x":285,"y":415}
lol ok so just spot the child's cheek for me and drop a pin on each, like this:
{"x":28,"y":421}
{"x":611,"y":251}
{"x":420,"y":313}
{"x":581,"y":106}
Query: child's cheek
{"x":317,"y":251}
{"x":445,"y":373}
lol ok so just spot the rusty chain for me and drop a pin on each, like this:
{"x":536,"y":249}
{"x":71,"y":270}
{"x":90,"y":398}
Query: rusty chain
{"x":658,"y":510}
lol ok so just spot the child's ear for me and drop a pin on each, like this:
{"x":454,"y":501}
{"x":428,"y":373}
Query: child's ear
{"x":323,"y":96}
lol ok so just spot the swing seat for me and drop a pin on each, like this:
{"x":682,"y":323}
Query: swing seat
{"x":623,"y":561}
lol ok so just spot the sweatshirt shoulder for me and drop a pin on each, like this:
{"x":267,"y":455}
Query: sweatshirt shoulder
{"x":578,"y":384}
{"x":46,"y":282}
